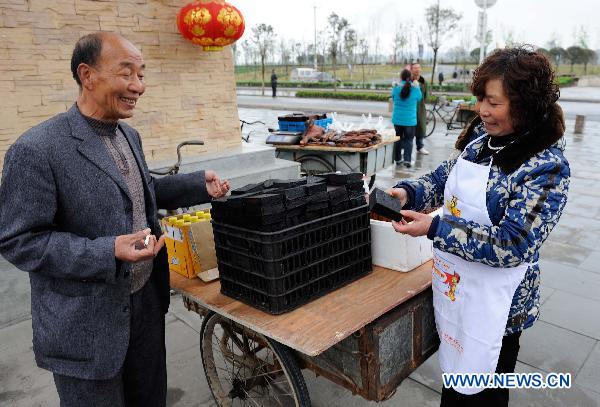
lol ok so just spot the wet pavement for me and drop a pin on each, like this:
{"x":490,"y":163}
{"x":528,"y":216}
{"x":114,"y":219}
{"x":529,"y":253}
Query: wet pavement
{"x":565,"y":339}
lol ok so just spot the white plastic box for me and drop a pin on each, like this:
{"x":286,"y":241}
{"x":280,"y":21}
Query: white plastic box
{"x":398,"y":251}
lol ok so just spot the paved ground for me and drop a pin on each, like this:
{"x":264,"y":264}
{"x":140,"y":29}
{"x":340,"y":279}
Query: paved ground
{"x":566,"y":339}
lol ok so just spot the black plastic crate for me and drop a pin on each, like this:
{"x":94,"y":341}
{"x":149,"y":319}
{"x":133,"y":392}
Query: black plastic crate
{"x":292,"y":263}
{"x":278,"y":304}
{"x":299,"y":277}
{"x":275,"y":245}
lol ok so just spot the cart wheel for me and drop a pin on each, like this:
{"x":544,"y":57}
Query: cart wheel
{"x":244,"y":368}
{"x":430,"y":122}
{"x":313,"y":164}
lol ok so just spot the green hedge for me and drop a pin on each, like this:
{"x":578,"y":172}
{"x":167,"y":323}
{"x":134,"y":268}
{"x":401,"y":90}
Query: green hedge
{"x":309,"y":85}
{"x":377,"y":97}
{"x":565,"y":80}
{"x":285,"y":84}
{"x":451,"y":87}
{"x":342,"y":95}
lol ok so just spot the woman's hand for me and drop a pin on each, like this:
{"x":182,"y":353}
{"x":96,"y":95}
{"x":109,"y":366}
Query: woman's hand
{"x":417,"y":225}
{"x":214,"y":186}
{"x":398,"y":193}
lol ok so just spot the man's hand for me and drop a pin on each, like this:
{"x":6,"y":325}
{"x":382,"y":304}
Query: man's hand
{"x":418,"y":223}
{"x":398,"y":193}
{"x":215,"y":187}
{"x":131,"y":248}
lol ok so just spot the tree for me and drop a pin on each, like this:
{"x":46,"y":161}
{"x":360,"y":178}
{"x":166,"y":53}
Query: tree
{"x":285,"y":55}
{"x":441,"y":22}
{"x":456,"y":54}
{"x":465,"y":41}
{"x":587,"y":57}
{"x":322,"y":45}
{"x":337,"y":27}
{"x":509,"y":37}
{"x":581,"y":36}
{"x":263,"y":37}
{"x":363,"y":46}
{"x":399,"y":42}
{"x":545,"y":52}
{"x":554,"y":41}
{"x":350,"y":48}
{"x":576,"y":55}
{"x":247,"y":48}
{"x":234,"y":52}
{"x":558,"y":55}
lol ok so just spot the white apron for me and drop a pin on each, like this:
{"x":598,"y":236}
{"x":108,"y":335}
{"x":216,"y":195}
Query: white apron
{"x":471,"y":300}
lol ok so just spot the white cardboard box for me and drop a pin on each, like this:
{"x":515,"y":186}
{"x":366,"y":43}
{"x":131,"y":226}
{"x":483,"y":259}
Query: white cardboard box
{"x":397,"y":251}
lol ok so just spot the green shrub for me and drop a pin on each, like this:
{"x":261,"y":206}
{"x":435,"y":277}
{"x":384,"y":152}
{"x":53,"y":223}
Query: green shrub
{"x":286,"y":84}
{"x":565,"y":80}
{"x":342,"y":95}
{"x":451,"y":87}
{"x":377,"y":97}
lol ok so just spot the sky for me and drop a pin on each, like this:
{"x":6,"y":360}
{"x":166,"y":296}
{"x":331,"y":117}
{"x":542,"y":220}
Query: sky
{"x":529,"y":21}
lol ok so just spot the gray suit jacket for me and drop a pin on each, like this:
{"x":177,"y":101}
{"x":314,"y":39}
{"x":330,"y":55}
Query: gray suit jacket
{"x":62,"y":203}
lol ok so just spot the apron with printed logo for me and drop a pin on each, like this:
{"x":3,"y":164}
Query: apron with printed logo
{"x":471,"y":300}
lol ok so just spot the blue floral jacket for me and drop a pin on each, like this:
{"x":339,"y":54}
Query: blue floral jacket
{"x":524,"y":206}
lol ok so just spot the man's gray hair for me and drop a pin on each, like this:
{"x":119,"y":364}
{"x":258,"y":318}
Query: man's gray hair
{"x":87,"y":51}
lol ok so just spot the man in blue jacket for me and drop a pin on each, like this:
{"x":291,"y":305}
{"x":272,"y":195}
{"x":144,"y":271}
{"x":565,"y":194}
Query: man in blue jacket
{"x":78,"y":212}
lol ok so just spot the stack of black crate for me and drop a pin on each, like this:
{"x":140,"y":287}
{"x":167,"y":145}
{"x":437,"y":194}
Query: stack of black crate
{"x":283,"y":243}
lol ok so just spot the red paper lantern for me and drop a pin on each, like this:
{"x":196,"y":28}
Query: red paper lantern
{"x":210,"y":23}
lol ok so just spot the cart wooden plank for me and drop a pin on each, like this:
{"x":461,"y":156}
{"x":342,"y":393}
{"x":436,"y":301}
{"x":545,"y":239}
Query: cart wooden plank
{"x":336,"y":149}
{"x":320,"y":324}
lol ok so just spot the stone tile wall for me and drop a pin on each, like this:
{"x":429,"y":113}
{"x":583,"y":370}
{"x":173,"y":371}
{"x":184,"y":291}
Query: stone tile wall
{"x":190,"y":93}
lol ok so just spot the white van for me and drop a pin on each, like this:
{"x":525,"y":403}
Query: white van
{"x":310,"y":75}
{"x":304,"y":75}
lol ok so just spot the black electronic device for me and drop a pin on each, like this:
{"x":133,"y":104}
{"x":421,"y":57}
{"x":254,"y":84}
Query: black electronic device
{"x":284,"y":138}
{"x":385,"y":205}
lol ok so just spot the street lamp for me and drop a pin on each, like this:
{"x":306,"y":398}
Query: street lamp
{"x":482,"y":24}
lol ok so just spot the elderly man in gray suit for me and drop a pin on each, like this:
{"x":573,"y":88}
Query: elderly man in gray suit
{"x":77,"y":205}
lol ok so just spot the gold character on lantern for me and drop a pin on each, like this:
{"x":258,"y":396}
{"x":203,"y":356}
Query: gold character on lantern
{"x":197,"y":16}
{"x":229,"y":17}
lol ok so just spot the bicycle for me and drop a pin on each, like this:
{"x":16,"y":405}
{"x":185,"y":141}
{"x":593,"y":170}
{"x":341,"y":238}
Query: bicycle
{"x":174,"y":170}
{"x":448,"y":113}
{"x":243,"y":122}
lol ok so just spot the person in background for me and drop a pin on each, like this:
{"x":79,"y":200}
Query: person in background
{"x":441,"y":78}
{"x":404,"y":116}
{"x":421,"y":129}
{"x":502,"y":193}
{"x":274,"y":83}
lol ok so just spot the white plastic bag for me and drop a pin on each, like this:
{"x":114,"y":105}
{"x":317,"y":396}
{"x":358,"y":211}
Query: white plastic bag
{"x":367,"y":122}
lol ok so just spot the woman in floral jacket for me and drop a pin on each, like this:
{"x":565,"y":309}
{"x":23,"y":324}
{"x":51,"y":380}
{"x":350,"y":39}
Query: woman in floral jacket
{"x":503,"y":191}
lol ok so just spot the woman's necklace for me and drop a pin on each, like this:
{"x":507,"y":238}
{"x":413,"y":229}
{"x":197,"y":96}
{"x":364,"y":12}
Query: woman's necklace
{"x":493,"y":148}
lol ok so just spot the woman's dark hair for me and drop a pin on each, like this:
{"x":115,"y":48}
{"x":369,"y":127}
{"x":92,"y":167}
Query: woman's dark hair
{"x":405,"y":76}
{"x":528,"y":81}
{"x":87,"y":51}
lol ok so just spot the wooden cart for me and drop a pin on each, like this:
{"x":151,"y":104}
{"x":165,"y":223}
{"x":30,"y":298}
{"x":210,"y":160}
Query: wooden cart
{"x":367,"y":337}
{"x":318,"y":159}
